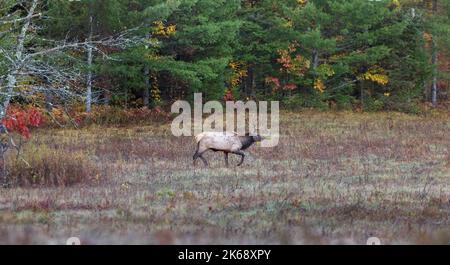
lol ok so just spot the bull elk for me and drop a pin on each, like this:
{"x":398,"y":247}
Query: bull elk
{"x":226,"y":142}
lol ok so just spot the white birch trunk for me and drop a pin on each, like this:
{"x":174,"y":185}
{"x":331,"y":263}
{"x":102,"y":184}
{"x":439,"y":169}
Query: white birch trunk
{"x":434,"y":61}
{"x":11,"y":78}
{"x":146,"y":94}
{"x":434,"y":88}
{"x":89,"y":64}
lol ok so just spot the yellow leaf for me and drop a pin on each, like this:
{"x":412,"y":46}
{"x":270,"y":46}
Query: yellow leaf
{"x":375,"y":74}
{"x":319,"y":85}
{"x":302,"y":2}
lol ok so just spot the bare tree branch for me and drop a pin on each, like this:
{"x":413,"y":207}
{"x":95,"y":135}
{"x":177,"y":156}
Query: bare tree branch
{"x":3,"y":22}
{"x":11,"y":79}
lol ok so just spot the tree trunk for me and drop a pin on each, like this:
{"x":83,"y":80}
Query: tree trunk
{"x":11,"y":83}
{"x":434,"y":61}
{"x":434,"y":88}
{"x":89,"y":64}
{"x":106,"y":97}
{"x":315,"y":59}
{"x":48,"y":101}
{"x":251,"y":86}
{"x":146,"y":94}
{"x":11,"y":78}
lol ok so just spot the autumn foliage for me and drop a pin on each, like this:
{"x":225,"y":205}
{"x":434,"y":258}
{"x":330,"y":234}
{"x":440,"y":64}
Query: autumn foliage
{"x":20,"y":120}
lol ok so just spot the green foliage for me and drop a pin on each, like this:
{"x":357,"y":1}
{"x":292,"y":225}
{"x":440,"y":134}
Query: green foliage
{"x":352,"y":53}
{"x":304,"y":100}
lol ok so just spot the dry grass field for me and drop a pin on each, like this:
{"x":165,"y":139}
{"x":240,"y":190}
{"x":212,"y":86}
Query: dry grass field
{"x":334,"y":178}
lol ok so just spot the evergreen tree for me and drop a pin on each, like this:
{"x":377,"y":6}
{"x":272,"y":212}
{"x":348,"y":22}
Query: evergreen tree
{"x":345,"y":53}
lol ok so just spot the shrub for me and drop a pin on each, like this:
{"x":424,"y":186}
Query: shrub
{"x":373,"y":104}
{"x":304,"y":100}
{"x":19,"y":119}
{"x":402,"y":102}
{"x":51,"y":167}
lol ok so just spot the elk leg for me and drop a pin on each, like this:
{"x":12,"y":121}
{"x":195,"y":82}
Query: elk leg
{"x":203,"y":159}
{"x":196,"y":155}
{"x":226,"y":158}
{"x":200,"y":155}
{"x":242,"y":156}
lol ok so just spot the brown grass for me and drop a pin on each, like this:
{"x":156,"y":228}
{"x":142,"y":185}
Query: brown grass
{"x":44,"y":166}
{"x":334,"y":178}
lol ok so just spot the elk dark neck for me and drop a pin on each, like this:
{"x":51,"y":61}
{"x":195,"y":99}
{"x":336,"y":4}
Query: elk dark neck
{"x":246,"y":141}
